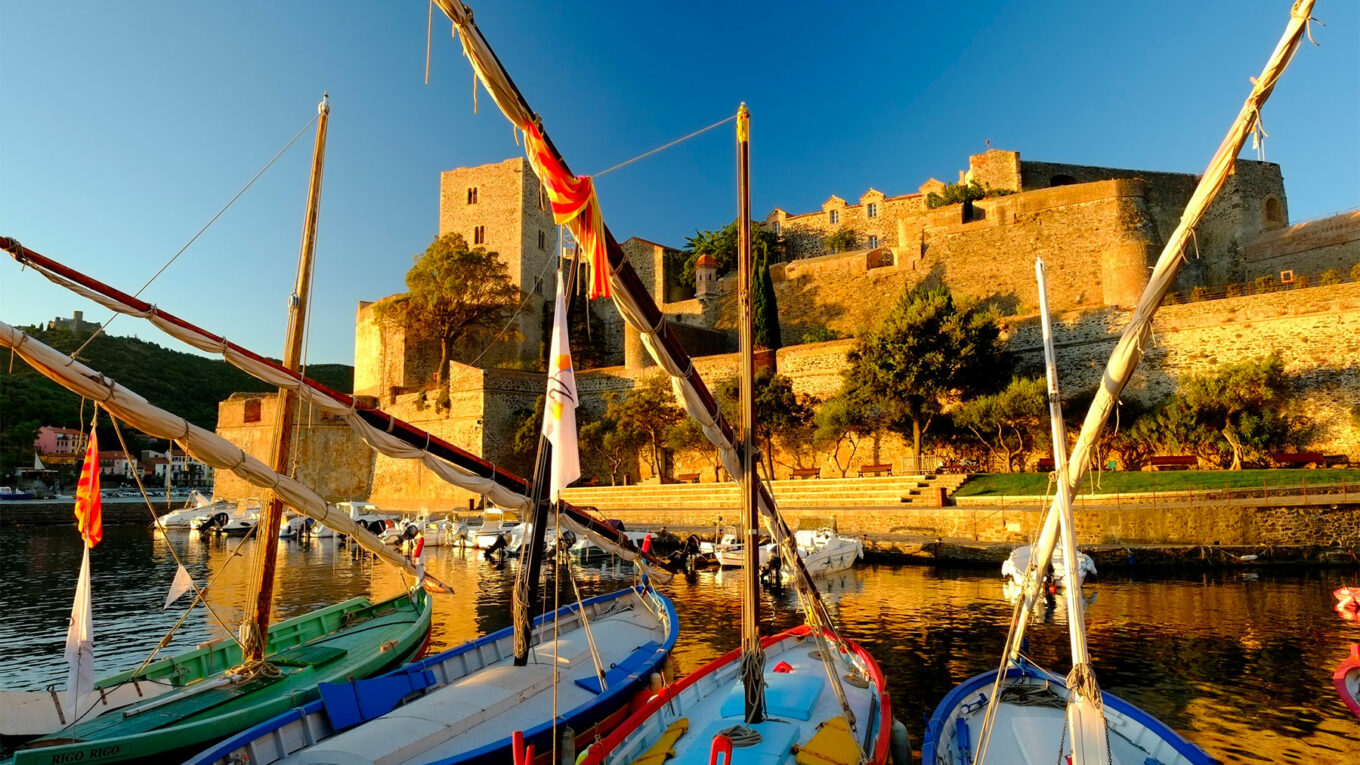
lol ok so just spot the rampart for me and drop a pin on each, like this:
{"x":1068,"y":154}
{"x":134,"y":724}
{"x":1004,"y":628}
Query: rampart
{"x":1311,"y":247}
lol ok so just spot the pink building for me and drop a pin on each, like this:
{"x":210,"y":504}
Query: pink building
{"x":60,"y":442}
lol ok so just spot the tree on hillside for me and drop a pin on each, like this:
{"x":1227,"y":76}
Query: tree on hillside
{"x":1009,"y":422}
{"x":647,"y":414}
{"x":722,"y":246}
{"x":766,"y":311}
{"x":688,"y":437}
{"x":780,"y":414}
{"x":843,"y":421}
{"x":454,"y":293}
{"x":1244,"y":403}
{"x":841,"y":240}
{"x":928,"y":353}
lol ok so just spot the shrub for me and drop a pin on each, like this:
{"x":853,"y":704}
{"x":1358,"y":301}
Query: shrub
{"x":1330,"y":276}
{"x":1263,"y":284}
{"x":955,"y":193}
{"x":1199,"y":293}
{"x":1355,"y":272}
{"x":1233,"y":290}
{"x":819,"y":335}
{"x":841,"y":240}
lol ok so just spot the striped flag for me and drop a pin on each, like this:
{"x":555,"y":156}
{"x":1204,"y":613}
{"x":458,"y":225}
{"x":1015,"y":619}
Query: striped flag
{"x":89,"y":513}
{"x":559,"y":414}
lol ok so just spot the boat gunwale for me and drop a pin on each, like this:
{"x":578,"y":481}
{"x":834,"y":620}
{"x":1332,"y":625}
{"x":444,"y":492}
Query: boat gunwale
{"x":246,"y":737}
{"x":955,"y":698}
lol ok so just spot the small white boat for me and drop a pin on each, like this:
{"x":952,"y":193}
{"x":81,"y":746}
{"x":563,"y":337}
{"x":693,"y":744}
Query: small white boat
{"x":225,"y":518}
{"x":1015,"y":565}
{"x":365,"y":514}
{"x":585,"y":550}
{"x":495,"y":522}
{"x":296,"y":527}
{"x":183,"y":517}
{"x":437,"y":533}
{"x":823,"y":552}
{"x":515,"y":539}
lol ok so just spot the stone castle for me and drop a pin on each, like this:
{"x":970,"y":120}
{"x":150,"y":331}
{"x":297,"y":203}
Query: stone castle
{"x":1099,"y":230}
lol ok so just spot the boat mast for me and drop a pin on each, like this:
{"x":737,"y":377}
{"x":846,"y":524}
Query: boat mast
{"x":752,"y":654}
{"x":255,"y":630}
{"x":531,"y":556}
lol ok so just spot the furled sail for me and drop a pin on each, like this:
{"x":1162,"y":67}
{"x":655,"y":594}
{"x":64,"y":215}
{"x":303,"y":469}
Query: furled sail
{"x":204,"y":445}
{"x":631,"y":298}
{"x":387,"y":435}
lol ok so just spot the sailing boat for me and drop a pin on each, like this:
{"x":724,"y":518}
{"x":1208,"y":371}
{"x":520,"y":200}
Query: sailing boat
{"x":572,"y":685}
{"x":1093,"y":715}
{"x":824,"y":698}
{"x":265,"y":677}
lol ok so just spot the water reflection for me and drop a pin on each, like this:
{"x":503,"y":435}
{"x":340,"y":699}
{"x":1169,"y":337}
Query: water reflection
{"x":1240,"y":664}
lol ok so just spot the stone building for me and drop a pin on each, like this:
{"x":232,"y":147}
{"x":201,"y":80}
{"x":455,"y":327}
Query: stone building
{"x":1098,"y":229}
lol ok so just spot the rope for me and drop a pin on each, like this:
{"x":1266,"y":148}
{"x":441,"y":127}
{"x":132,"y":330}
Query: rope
{"x":585,"y":624}
{"x":740,"y":736}
{"x":663,"y":147}
{"x":195,"y":237}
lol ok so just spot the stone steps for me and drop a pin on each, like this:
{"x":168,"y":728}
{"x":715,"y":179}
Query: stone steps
{"x":894,"y":491}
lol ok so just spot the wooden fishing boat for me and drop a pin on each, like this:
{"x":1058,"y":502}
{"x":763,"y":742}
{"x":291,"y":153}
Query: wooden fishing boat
{"x":353,"y":639}
{"x":461,"y":705}
{"x":1347,"y":680}
{"x":1031,"y":717}
{"x":804,"y":720}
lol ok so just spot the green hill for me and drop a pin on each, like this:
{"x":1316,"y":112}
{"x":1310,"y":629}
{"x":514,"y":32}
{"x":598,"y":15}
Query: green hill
{"x":182,"y":383}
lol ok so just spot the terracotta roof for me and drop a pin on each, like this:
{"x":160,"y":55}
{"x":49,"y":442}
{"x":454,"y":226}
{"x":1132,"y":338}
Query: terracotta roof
{"x":706,"y":261}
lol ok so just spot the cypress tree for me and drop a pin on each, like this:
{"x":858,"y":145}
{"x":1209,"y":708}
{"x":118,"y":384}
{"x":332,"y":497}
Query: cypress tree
{"x":767,"y":334}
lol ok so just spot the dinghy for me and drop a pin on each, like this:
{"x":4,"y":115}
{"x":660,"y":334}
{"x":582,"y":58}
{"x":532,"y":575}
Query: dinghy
{"x":1347,"y":680}
{"x":1015,"y":566}
{"x":461,"y":705}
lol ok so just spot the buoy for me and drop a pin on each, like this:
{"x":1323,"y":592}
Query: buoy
{"x":899,"y":745}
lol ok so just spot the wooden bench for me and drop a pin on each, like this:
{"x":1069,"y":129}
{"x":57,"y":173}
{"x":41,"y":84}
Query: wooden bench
{"x":874,"y":470}
{"x":1046,"y":465}
{"x":812,"y":472}
{"x":1297,"y":459}
{"x":1336,"y":460}
{"x":1173,"y":462}
{"x":688,"y":478}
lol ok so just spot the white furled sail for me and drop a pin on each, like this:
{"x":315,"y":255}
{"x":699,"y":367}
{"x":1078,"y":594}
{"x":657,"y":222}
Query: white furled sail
{"x":80,"y":644}
{"x":559,"y":408}
{"x":204,"y":445}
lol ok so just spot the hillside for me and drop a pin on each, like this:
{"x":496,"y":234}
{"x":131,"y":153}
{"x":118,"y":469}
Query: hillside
{"x":182,"y":383}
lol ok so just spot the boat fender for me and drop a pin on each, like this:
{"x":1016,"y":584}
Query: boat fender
{"x":420,"y":546}
{"x":647,"y":544}
{"x":783,"y":666}
{"x":722,"y":745}
{"x":523,"y":754}
{"x":899,"y":745}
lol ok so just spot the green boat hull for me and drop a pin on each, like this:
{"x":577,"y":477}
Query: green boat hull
{"x":354,"y":639}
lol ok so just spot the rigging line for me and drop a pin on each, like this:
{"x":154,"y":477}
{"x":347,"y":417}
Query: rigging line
{"x":663,"y":147}
{"x":195,"y":237}
{"x":513,"y":316}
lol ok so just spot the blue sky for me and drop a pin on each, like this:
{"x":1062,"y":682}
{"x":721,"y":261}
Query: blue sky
{"x":125,"y":126}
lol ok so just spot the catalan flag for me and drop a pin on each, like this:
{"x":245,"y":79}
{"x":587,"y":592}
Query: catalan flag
{"x":89,"y":513}
{"x":559,"y":414}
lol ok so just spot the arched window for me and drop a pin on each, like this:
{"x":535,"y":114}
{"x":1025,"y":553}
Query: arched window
{"x":1273,"y":213}
{"x":472,"y":195}
{"x":479,"y":234}
{"x":1061,"y":180}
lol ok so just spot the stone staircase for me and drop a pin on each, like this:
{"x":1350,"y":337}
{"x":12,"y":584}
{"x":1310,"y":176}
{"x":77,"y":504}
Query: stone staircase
{"x":812,"y":494}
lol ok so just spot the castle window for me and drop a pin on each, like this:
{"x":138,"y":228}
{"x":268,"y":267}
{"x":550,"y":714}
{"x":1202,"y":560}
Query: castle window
{"x":833,"y":216}
{"x":873,"y":242}
{"x":1274,"y":213}
{"x":776,"y":228}
{"x":1287,"y":276}
{"x":252,"y":412}
{"x":479,"y":234}
{"x":538,"y":285}
{"x":542,"y":241}
{"x":871,"y":210}
{"x":472,"y":195}
{"x":1061,"y":180}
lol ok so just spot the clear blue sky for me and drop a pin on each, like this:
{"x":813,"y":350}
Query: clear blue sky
{"x":125,"y":126}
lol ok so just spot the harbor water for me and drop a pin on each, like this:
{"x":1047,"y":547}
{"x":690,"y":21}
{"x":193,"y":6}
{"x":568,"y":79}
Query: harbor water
{"x":1240,"y":661}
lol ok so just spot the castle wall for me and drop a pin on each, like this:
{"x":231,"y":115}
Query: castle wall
{"x":1308,"y":248}
{"x":331,"y":460}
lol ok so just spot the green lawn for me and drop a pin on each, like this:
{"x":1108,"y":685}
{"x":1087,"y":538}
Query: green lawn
{"x":1171,"y":480}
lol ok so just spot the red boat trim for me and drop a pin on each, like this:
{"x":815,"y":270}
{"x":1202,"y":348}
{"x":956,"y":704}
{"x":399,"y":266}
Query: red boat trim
{"x":1351,"y":663}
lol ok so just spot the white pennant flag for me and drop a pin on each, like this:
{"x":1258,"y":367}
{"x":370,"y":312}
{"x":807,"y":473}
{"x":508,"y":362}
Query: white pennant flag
{"x":559,"y":415}
{"x":80,"y":644}
{"x":182,"y":584}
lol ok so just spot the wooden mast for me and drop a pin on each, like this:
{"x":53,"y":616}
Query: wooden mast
{"x":753,"y":655}
{"x":255,"y":630}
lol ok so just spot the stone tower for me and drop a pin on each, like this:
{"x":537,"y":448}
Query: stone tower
{"x":502,"y":207}
{"x":705,"y":277}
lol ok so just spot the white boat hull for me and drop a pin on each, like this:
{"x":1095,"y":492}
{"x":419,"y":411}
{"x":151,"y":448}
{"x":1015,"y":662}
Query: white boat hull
{"x":1015,"y":565}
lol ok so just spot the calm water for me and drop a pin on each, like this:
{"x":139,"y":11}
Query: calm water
{"x":1239,"y":663}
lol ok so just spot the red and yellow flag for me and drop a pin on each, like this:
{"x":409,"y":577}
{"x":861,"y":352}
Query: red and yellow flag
{"x":89,"y":513}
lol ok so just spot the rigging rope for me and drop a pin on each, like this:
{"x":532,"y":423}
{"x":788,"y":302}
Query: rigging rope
{"x":665,"y":146}
{"x":212,"y":220}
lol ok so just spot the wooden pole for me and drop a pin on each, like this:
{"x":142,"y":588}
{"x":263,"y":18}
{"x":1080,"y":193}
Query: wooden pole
{"x":753,"y":655}
{"x":255,"y":630}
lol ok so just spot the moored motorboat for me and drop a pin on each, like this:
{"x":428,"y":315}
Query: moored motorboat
{"x":461,"y":705}
{"x":1018,"y":562}
{"x":1031,"y":717}
{"x":494,"y":524}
